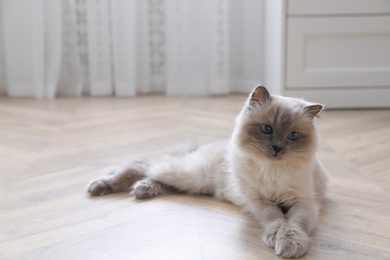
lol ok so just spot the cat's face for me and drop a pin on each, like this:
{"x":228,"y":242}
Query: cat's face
{"x":278,"y":128}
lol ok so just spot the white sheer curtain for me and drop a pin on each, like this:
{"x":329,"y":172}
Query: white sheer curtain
{"x":124,"y":47}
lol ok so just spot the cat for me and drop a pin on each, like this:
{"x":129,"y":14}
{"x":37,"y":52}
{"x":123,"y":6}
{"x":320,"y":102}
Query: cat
{"x":268,"y":167}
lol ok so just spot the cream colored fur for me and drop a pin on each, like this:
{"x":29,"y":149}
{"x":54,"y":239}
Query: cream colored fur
{"x":282,"y":191}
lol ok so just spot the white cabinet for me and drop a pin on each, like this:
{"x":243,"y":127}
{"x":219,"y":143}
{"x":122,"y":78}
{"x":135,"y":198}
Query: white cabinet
{"x":338,"y":52}
{"x":334,"y":52}
{"x":337,"y":7}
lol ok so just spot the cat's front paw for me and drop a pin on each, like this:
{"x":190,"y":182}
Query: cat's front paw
{"x":100,"y":187}
{"x":271,"y":231}
{"x":292,"y":242}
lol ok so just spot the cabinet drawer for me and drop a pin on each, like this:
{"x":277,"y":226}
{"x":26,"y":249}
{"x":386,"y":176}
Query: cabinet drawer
{"x":338,"y":52}
{"x":329,"y":7}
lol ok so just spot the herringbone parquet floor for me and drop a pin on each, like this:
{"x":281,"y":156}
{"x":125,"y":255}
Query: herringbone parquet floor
{"x":50,"y":150}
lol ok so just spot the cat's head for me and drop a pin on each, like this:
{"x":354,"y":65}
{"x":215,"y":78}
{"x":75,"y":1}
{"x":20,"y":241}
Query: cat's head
{"x":277,"y":128}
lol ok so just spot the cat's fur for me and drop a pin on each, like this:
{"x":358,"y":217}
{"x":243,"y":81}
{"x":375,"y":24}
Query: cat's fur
{"x":282,"y":187}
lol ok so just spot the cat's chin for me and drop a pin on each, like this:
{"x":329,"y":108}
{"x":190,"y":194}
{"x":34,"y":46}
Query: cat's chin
{"x":276,"y":157}
{"x":280,"y":158}
{"x":285,"y":159}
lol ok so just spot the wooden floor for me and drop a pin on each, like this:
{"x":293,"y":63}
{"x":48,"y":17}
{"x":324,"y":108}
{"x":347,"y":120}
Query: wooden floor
{"x":50,"y":150}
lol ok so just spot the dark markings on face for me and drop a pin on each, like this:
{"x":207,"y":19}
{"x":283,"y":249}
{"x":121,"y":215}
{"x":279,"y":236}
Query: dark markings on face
{"x":283,"y":121}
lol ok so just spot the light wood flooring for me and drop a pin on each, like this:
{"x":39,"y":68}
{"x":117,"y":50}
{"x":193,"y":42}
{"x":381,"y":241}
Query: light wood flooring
{"x":50,"y":150}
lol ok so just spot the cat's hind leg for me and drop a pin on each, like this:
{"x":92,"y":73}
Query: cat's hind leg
{"x":120,"y":178}
{"x":148,"y":188}
{"x":198,"y":172}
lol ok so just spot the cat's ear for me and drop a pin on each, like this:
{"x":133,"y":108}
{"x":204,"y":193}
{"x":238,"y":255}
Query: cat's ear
{"x":313,"y":110}
{"x":260,"y":94}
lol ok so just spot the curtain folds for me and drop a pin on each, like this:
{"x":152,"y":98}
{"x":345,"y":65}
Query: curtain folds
{"x":124,"y":47}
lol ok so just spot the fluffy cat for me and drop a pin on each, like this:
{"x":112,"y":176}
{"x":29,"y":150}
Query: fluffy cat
{"x":268,"y":167}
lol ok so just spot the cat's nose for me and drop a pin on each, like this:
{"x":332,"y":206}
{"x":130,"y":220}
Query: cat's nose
{"x":277,"y":149}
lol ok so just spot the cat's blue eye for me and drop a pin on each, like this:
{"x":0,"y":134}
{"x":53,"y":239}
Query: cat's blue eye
{"x":293,"y":136}
{"x":266,"y":129}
